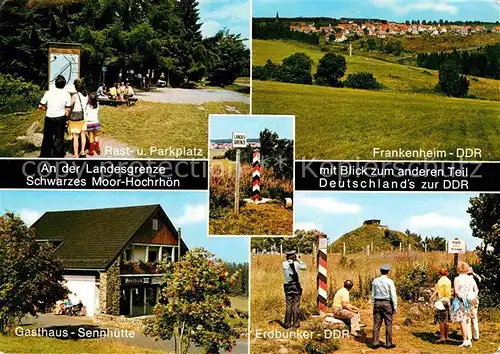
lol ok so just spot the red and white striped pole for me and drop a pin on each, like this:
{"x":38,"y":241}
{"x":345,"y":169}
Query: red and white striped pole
{"x":322,"y":273}
{"x":256,"y":172}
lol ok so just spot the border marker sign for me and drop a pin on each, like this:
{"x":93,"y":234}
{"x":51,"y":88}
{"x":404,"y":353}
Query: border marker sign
{"x":239,"y":140}
{"x":457,"y":246}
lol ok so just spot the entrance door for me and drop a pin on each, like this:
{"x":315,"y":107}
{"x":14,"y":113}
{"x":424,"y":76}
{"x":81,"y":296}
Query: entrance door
{"x":138,"y":306}
{"x":151,"y":299}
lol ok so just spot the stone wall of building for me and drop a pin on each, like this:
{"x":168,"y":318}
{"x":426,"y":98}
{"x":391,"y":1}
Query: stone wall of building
{"x":109,"y":290}
{"x":133,"y":324}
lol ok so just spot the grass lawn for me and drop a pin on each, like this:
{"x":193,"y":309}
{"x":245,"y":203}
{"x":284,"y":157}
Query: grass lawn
{"x":334,"y":123}
{"x":12,"y":126}
{"x":261,"y":219}
{"x":143,"y":125}
{"x":395,"y":77}
{"x":414,"y":331}
{"x":40,"y":345}
{"x":239,"y":303}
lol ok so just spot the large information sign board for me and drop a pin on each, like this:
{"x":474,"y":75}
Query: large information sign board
{"x":64,"y":59}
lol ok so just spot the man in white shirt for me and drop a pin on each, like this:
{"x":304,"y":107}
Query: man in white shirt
{"x":293,"y":290}
{"x":57,"y":105}
{"x":385,"y":304}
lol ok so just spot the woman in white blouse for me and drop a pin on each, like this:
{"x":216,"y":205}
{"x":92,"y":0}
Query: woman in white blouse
{"x":465,"y":290}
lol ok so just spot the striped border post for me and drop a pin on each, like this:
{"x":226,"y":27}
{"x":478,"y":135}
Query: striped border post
{"x":322,"y":273}
{"x":256,"y":172}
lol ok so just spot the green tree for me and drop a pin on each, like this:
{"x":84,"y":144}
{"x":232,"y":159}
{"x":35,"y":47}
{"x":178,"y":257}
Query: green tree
{"x":331,"y":68}
{"x":193,"y":304}
{"x":451,"y":82}
{"x":371,"y":44}
{"x":30,"y":274}
{"x":296,"y":69}
{"x":276,"y":153}
{"x":230,"y":58}
{"x":436,"y":243}
{"x":484,"y":211}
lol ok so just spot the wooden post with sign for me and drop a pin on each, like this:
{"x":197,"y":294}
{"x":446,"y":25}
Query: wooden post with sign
{"x":237,"y":186}
{"x":239,"y":141}
{"x":456,"y":247}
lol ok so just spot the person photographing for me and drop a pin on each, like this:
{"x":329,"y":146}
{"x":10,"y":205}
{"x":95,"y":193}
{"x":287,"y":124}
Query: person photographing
{"x":293,"y":291}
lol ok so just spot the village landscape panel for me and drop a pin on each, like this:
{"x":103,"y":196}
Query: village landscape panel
{"x":381,"y":80}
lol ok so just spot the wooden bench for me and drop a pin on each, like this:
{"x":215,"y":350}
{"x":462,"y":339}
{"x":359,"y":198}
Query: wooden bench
{"x":111,"y":102}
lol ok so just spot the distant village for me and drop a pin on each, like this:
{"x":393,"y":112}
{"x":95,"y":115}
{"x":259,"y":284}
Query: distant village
{"x":342,"y":31}
{"x":226,"y":145}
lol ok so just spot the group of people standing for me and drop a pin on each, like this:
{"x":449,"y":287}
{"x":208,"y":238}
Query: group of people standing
{"x":76,"y":113}
{"x":457,"y":303}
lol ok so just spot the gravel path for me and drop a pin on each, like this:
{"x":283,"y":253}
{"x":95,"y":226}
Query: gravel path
{"x":192,"y":96}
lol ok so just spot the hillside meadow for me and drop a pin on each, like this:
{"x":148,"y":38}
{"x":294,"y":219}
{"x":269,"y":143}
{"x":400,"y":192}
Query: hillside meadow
{"x":254,"y":219}
{"x":395,"y":77}
{"x":414,"y":331}
{"x":342,"y":123}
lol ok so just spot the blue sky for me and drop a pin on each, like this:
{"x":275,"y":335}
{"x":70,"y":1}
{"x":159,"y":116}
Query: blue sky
{"x":187,"y":210}
{"x":395,"y":10}
{"x":231,"y":14}
{"x":222,"y":127}
{"x":429,"y":214}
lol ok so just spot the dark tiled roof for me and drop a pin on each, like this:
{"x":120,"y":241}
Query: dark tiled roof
{"x":91,"y":239}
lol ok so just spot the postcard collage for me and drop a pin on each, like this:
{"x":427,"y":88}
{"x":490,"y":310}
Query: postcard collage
{"x":249,"y":176}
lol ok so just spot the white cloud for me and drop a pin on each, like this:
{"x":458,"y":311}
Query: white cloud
{"x":193,"y":214}
{"x":210,"y":28}
{"x":232,"y":15}
{"x":231,"y":11}
{"x":328,"y":205}
{"x":307,"y":226}
{"x":404,"y":7}
{"x":29,"y":216}
{"x":433,"y":220}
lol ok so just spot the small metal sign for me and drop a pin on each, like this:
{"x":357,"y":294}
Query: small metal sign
{"x":457,"y":246}
{"x":239,"y":140}
{"x":323,"y":243}
{"x":104,"y":69}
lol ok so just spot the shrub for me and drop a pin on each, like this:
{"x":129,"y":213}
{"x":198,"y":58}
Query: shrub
{"x":222,"y":180}
{"x":17,"y":95}
{"x":294,"y":75}
{"x":331,"y":68}
{"x":267,"y":72}
{"x":362,"y":80}
{"x":412,"y":279}
{"x":298,"y":61}
{"x":296,"y":69}
{"x":451,"y":82}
